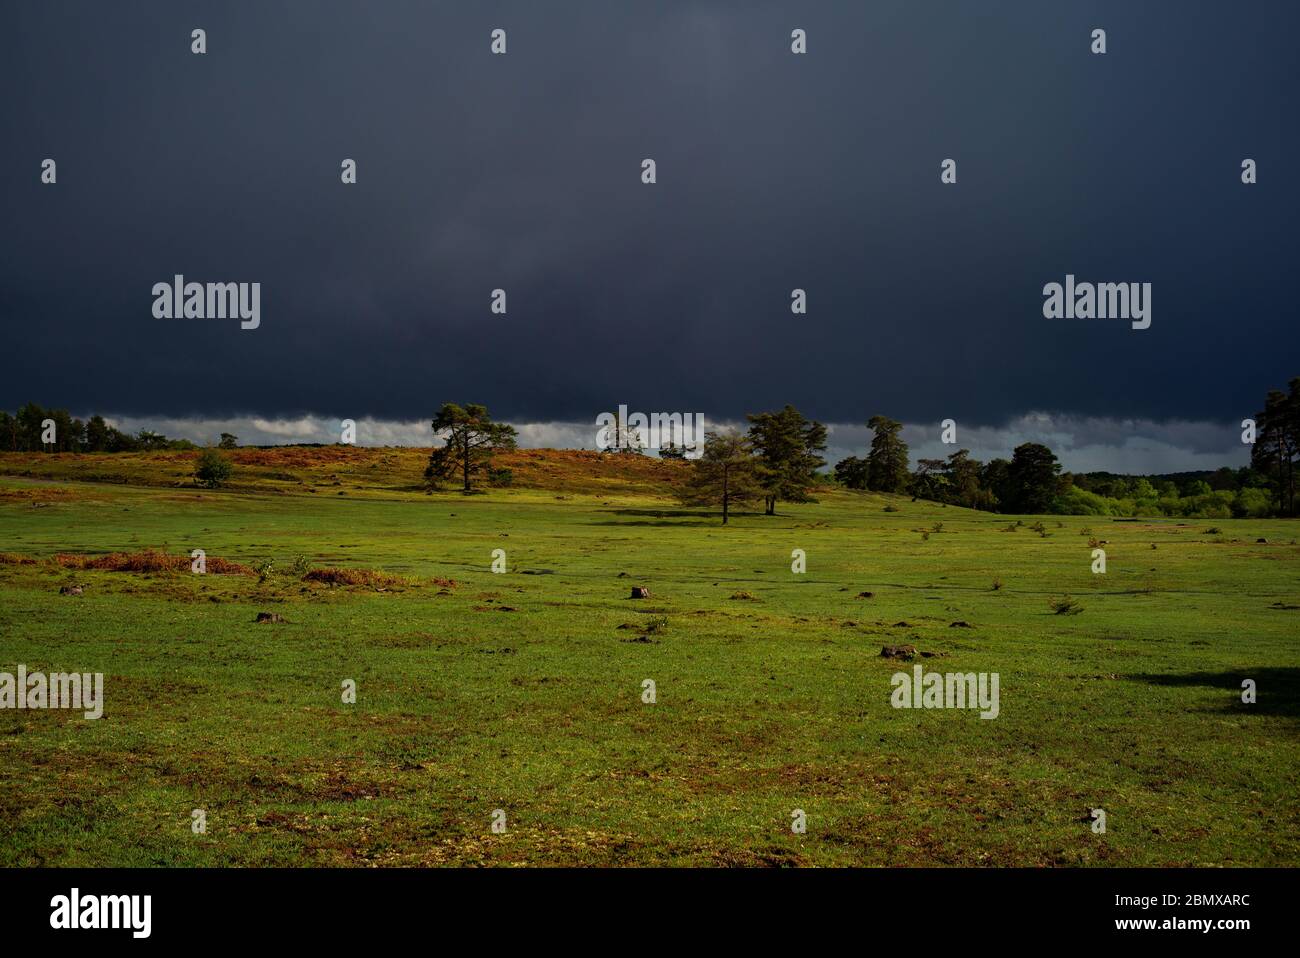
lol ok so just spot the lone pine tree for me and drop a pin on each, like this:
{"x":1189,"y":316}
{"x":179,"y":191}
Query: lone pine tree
{"x":472,"y":440}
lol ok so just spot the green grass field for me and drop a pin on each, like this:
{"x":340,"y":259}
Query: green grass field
{"x":523,"y":692}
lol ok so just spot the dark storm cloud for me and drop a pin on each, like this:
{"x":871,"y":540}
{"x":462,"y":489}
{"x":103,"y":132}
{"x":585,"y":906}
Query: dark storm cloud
{"x":775,"y":171}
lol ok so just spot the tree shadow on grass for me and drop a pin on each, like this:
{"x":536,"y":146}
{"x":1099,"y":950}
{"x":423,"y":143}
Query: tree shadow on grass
{"x":672,"y":517}
{"x":1277,"y":690}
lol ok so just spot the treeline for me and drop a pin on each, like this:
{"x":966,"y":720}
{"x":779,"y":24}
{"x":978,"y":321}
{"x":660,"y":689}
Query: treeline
{"x":36,"y":429}
{"x":1029,"y":482}
{"x":780,"y":459}
{"x":1032,"y":480}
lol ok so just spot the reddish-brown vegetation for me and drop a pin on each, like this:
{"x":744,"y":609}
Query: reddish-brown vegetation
{"x":147,"y":561}
{"x":363,"y":577}
{"x":305,"y":469}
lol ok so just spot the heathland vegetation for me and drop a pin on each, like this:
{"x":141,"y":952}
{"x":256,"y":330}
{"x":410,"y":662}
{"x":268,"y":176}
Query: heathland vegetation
{"x":780,"y":459}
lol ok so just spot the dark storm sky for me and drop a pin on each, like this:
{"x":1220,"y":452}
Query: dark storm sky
{"x":775,"y":171}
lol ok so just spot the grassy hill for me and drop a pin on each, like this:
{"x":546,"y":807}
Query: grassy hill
{"x":351,"y":469}
{"x":522,"y":690}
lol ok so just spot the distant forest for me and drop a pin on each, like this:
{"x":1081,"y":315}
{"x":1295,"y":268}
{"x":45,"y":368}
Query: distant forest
{"x":1032,"y":480}
{"x":26,"y":430}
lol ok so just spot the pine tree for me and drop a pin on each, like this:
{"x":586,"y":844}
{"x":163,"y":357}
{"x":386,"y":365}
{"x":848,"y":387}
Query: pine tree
{"x":887,"y":462}
{"x":725,"y":474}
{"x":787,"y":447}
{"x":472,"y":440}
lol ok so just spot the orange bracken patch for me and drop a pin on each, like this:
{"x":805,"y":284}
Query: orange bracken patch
{"x":147,"y":561}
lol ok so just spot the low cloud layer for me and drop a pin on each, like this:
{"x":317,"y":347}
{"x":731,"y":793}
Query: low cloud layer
{"x":1083,"y":444}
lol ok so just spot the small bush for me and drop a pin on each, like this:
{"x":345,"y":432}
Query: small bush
{"x":264,"y":569}
{"x":1065,"y":606}
{"x":213,"y":469}
{"x":363,"y":577}
{"x":300,"y":566}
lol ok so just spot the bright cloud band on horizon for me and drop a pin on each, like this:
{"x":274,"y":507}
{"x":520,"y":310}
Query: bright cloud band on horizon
{"x":1083,"y":444}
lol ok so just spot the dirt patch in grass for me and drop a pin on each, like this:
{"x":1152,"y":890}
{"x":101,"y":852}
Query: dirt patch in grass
{"x":771,"y":856}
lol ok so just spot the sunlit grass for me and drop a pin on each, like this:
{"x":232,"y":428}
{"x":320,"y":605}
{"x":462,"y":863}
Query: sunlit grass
{"x":522,"y":691}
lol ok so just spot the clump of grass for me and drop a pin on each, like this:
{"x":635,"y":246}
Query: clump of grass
{"x":300,"y":566}
{"x":1011,"y":527}
{"x":264,"y":568}
{"x":925,"y":534}
{"x":1065,"y":605}
{"x":891,"y":508}
{"x":997,"y":583}
{"x":147,"y":561}
{"x":1094,"y":543}
{"x":938,"y":527}
{"x":1213,"y":531}
{"x":12,"y":558}
{"x":1086,"y":531}
{"x":745,"y":596}
{"x":1038,"y":527}
{"x":362,"y":577}
{"x":658,"y":624}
